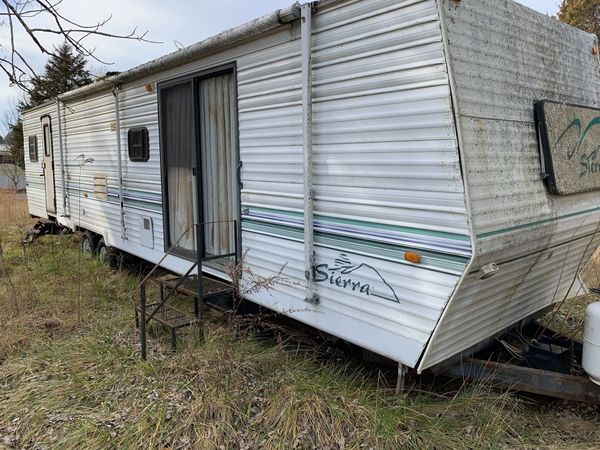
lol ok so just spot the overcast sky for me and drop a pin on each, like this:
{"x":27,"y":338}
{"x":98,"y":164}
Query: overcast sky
{"x":182,"y":21}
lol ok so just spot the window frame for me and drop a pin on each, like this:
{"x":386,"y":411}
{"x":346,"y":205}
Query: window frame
{"x":32,"y":143}
{"x":144,"y":154}
{"x":47,"y":137}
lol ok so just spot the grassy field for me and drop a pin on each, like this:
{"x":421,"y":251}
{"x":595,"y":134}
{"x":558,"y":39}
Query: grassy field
{"x":71,"y":377}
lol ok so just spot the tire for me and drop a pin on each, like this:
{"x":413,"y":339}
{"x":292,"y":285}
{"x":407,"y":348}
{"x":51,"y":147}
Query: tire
{"x":106,"y":254}
{"x":87,"y":244}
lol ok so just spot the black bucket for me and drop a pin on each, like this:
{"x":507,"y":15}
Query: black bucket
{"x":552,"y":354}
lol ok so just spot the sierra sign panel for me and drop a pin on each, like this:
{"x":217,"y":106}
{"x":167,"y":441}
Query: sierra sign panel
{"x":570,"y":139}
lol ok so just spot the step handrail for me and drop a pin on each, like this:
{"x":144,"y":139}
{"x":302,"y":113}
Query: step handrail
{"x":171,"y":292}
{"x":196,"y":264}
{"x":157,"y":265}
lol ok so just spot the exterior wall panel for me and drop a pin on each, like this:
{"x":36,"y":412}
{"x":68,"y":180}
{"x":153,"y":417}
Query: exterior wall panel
{"x":504,"y":57}
{"x":387,"y":178}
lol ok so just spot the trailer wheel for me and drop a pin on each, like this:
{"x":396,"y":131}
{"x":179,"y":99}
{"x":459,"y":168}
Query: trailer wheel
{"x":87,"y":244}
{"x":106,"y":254}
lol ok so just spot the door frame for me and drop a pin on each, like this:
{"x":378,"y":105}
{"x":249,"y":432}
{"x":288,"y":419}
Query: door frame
{"x":195,"y":78}
{"x":46,"y":121}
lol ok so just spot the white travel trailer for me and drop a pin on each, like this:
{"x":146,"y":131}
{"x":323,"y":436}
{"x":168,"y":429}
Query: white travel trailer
{"x":425,"y":170}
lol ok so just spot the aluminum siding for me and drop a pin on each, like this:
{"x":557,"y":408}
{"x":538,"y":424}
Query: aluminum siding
{"x":503,"y":57}
{"x":88,"y":132}
{"x":387,"y":175}
{"x":142,"y":189}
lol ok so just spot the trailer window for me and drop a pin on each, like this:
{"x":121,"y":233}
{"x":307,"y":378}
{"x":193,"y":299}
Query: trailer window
{"x":33,"y":149}
{"x":47,"y":138}
{"x":138,"y":145}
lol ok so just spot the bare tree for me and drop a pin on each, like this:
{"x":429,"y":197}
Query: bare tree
{"x":9,"y":117}
{"x":11,"y":162}
{"x":13,"y":173}
{"x":24,"y":16}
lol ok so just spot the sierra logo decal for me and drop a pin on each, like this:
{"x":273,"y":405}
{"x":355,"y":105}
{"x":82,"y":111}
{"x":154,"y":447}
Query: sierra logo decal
{"x":346,"y":275}
{"x":588,"y":163}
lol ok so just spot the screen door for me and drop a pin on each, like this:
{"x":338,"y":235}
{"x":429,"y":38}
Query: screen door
{"x":199,"y":140}
{"x":177,"y":103}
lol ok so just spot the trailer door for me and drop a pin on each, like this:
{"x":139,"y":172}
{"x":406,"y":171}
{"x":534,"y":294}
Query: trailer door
{"x":199,"y":140}
{"x":48,"y":165}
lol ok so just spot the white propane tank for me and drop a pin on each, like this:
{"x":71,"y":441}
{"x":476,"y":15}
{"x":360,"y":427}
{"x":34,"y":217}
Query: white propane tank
{"x":591,"y":342}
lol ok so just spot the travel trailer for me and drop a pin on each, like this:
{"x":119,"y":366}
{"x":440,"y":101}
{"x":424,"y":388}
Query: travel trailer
{"x":425,"y":171}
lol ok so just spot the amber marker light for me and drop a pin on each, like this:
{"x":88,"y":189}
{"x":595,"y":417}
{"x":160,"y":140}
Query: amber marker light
{"x":412,"y":257}
{"x":149,"y":87}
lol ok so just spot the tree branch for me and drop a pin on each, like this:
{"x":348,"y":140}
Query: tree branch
{"x":18,"y":15}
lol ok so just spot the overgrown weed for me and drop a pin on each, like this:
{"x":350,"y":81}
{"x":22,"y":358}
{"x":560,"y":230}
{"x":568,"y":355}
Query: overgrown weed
{"x":73,"y":379}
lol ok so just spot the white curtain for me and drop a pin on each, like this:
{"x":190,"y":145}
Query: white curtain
{"x":218,"y":131}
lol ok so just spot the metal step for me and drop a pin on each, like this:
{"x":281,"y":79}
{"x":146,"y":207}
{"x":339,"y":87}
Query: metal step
{"x":223,"y":303}
{"x":199,"y":287}
{"x":169,"y":316}
{"x":189,"y":286}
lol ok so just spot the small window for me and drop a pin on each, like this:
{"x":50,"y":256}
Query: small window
{"x":33,"y":149}
{"x":137,"y":142}
{"x":47,"y":139}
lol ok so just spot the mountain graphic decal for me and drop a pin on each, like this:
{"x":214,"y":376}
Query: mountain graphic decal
{"x":355,"y":277}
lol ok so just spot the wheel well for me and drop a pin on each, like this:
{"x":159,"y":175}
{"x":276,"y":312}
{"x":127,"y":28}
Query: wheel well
{"x":94,"y":237}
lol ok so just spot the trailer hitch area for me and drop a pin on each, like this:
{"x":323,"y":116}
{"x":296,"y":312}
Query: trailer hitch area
{"x":41,"y":228}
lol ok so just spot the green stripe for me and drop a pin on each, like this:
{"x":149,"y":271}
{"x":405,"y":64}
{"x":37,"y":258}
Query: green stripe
{"x":143,"y":204}
{"x":537,"y":252}
{"x":533,"y":224}
{"x":440,"y":262}
{"x":380,"y":226}
{"x":157,"y":195}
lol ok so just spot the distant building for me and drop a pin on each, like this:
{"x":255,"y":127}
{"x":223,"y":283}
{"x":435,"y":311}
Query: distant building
{"x":5,"y":156}
{"x":11,"y":176}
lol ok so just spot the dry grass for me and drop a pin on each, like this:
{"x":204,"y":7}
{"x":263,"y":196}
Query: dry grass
{"x":71,"y":377}
{"x":568,"y":317}
{"x":40,"y":295}
{"x":13,"y":210}
{"x":591,"y":271}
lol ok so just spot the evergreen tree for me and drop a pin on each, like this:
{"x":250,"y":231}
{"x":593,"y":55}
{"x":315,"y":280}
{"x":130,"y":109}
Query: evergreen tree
{"x":14,"y":142}
{"x":63,"y":72}
{"x":584,"y":14}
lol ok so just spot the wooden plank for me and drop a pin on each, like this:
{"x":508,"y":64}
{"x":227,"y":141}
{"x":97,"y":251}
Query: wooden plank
{"x":526,"y":379}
